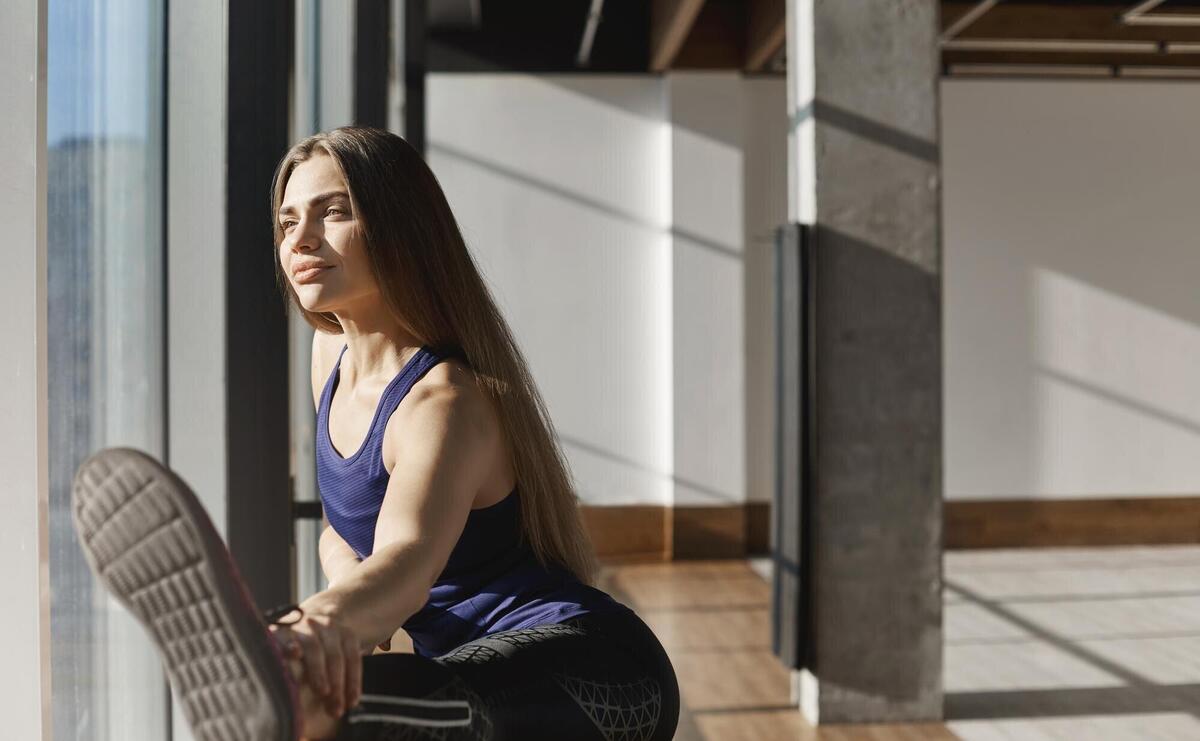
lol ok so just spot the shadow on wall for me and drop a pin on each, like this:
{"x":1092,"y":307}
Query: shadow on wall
{"x":1073,"y":323}
{"x":613,"y":236}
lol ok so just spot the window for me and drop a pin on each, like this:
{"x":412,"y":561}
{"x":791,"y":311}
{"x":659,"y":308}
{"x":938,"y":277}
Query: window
{"x":105,"y":324}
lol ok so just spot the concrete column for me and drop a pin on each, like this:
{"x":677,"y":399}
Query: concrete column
{"x":862,"y":93}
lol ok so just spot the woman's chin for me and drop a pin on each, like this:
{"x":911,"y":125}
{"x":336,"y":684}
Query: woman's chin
{"x":313,"y":300}
{"x":316,"y":307}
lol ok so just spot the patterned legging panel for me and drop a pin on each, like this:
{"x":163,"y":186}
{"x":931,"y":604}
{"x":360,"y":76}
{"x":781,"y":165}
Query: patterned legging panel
{"x":603,"y":677}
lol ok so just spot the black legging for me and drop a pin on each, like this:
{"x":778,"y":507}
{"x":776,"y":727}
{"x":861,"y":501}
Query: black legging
{"x":603,"y":677}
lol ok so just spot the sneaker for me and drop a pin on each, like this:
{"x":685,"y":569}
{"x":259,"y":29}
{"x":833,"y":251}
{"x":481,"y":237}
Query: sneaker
{"x":151,"y":544}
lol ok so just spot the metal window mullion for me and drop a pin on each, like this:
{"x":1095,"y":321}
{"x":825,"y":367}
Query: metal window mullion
{"x":372,"y":25}
{"x":256,"y":335}
{"x":415,"y":70}
{"x":24,"y":442}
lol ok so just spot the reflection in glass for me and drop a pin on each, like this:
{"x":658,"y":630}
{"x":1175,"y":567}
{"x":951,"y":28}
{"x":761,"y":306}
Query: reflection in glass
{"x":105,"y":273}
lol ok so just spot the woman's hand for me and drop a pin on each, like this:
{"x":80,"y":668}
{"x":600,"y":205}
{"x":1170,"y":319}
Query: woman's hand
{"x":331,"y":656}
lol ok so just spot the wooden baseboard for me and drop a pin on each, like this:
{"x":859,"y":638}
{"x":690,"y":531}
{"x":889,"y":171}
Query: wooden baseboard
{"x":1030,"y":523}
{"x":627,"y":532}
{"x":656,"y":533}
{"x":708,"y":532}
{"x":758,"y":528}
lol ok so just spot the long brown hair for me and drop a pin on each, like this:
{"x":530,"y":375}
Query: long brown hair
{"x":433,"y":287}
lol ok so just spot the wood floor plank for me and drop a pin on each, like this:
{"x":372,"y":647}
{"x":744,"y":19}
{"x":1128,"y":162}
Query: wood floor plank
{"x":713,"y":617}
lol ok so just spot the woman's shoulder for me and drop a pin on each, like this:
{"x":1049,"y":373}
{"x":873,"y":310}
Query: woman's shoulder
{"x":448,"y":383}
{"x":446,"y":402}
{"x":325,"y":350}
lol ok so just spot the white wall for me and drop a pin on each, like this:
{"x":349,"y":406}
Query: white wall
{"x":562,"y":188}
{"x":626,"y":225}
{"x":707,"y":229}
{"x":729,"y":170}
{"x":765,"y":174}
{"x":609,"y":215}
{"x":1072,"y":300}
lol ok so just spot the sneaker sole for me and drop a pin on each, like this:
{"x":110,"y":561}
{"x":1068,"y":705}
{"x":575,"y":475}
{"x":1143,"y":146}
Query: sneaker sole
{"x":150,"y":542}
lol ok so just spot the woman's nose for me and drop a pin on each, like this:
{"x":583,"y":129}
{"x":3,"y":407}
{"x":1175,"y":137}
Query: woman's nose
{"x":305,"y":237}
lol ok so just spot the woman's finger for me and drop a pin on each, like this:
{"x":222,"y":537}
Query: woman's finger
{"x":314,"y":661}
{"x":335,"y":665}
{"x":353,"y":655}
{"x":286,"y":640}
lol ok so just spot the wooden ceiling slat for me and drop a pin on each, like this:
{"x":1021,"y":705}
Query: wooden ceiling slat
{"x":1046,"y":21}
{"x":951,"y":12}
{"x":732,"y":34}
{"x":670,"y":23}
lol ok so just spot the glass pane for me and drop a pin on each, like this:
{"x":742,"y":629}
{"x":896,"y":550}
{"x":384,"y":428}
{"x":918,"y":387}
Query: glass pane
{"x":104,"y":131}
{"x":305,"y":120}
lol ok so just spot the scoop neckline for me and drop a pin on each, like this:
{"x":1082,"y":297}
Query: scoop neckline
{"x":336,"y":378}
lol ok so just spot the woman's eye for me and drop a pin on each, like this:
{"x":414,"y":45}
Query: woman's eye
{"x":334,"y":210}
{"x":287,"y":225}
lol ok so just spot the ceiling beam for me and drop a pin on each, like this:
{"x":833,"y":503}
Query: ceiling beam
{"x":1043,"y":33}
{"x":766,"y":32}
{"x":1192,"y":60}
{"x":670,"y":22}
{"x":1049,"y":21}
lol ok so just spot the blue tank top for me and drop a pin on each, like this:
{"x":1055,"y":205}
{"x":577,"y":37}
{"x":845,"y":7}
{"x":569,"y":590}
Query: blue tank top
{"x":492,"y":580}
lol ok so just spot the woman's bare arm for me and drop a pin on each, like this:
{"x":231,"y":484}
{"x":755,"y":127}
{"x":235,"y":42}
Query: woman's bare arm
{"x":337,"y":557}
{"x":451,"y":438}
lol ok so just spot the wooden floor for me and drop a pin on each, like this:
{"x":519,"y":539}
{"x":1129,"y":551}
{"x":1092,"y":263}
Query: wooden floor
{"x":713,"y":618}
{"x":1040,"y":644}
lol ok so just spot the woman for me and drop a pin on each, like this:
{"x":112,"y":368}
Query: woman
{"x":449,"y":506}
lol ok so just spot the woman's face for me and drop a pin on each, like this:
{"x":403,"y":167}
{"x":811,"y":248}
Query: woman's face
{"x":322,"y":252}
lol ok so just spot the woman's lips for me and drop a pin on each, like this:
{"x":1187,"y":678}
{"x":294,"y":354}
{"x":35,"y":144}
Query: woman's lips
{"x":310,"y":274}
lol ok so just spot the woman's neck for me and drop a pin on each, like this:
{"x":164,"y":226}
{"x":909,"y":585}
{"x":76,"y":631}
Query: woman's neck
{"x":379,"y":346}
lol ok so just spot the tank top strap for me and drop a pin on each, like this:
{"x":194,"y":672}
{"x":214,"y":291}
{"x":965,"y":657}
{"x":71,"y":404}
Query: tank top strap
{"x":414,"y":370}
